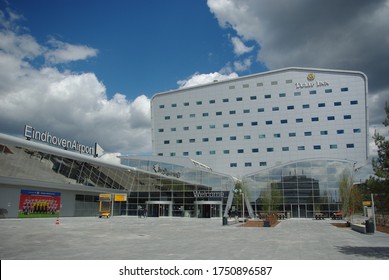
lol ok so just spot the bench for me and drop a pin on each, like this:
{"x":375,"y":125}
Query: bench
{"x":337,"y":216}
{"x":281,"y":216}
{"x":319,"y":216}
{"x":359,"y":227}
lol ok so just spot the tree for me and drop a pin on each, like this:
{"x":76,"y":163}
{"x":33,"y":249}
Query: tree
{"x":271,"y":198}
{"x":345,"y":186}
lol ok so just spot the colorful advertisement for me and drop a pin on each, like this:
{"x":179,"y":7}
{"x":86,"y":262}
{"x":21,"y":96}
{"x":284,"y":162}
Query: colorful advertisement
{"x":39,"y":204}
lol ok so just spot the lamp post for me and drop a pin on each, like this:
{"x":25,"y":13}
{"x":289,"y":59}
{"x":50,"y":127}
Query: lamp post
{"x":240,"y":191}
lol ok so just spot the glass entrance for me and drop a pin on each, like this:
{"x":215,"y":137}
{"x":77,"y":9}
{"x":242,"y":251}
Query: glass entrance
{"x":155,"y":209}
{"x":208,"y":210}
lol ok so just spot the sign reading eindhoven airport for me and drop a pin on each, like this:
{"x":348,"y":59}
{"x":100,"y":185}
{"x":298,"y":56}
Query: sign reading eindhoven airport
{"x":45,"y":137}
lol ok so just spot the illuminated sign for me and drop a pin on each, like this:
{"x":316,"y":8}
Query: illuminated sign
{"x":120,"y":197}
{"x":46,"y":137}
{"x":311,"y":82}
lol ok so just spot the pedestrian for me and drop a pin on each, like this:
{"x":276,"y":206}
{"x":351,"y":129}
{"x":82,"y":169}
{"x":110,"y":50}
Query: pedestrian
{"x":145,"y":213}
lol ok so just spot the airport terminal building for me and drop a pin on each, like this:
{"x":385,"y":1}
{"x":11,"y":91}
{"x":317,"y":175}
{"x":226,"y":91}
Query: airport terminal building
{"x":293,"y":133}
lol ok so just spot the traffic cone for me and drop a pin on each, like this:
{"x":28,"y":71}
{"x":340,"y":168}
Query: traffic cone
{"x":57,"y":221}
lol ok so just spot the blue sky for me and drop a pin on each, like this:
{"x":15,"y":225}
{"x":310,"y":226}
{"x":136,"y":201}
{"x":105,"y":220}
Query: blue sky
{"x":143,"y":47}
{"x":86,"y":70}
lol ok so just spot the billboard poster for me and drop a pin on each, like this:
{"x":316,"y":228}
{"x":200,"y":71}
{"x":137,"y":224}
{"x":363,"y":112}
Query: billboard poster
{"x":39,"y":204}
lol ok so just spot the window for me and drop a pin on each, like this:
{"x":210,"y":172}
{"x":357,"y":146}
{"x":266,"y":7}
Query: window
{"x":212,"y":152}
{"x":299,"y":120}
{"x":292,"y":134}
{"x":239,"y":124}
{"x":179,"y":116}
{"x":233,"y":138}
{"x":312,"y":92}
{"x":240,"y":151}
{"x":308,"y":133}
{"x":260,"y":110}
{"x":254,"y":123}
{"x":259,"y":84}
{"x":357,"y":130}
{"x":247,"y":137}
{"x":337,"y":103}
{"x":245,"y":85}
{"x":301,"y":148}
{"x":321,"y":105}
{"x":333,"y":146}
{"x":270,"y":150}
{"x":246,"y":111}
{"x":225,"y":125}
{"x":179,"y":141}
{"x":269,"y":122}
{"x":172,"y":154}
{"x":233,"y":164}
{"x":185,"y":154}
{"x":290,"y":107}
{"x":231,"y":87}
{"x":192,"y":140}
{"x":225,"y":100}
{"x":347,"y":117}
{"x":350,"y":146}
{"x":226,"y":152}
{"x":166,"y":142}
{"x":174,"y":105}
{"x":232,"y":112}
{"x":212,"y":126}
{"x":199,"y":102}
{"x":297,"y":93}
{"x":173,"y":129}
{"x":285,"y":149}
{"x":199,"y":153}
{"x":160,"y":154}
{"x":219,"y":113}
{"x":344,"y":89}
{"x":186,"y":128}
{"x":219,"y":138}
{"x":288,"y":81}
{"x":328,"y":90}
{"x":199,"y":127}
{"x":284,"y":121}
{"x":273,"y":83}
{"x":186,"y":103}
{"x":205,"y":114}
{"x":255,"y":150}
{"x":253,"y":97}
{"x":247,"y":164}
{"x":331,"y":118}
{"x":160,"y":130}
{"x":262,"y":136}
{"x":315,"y":119}
{"x":353,"y":102}
{"x":317,"y":147}
{"x":282,"y":94}
{"x":205,"y":139}
{"x":275,"y":108}
{"x":267,"y":96}
{"x":212,"y":101}
{"x":192,"y":115}
{"x":340,"y":131}
{"x":239,"y":99}
{"x":161,"y":106}
{"x":262,"y":163}
{"x":305,"y":106}
{"x":277,"y":135}
{"x":167,"y":117}
{"x":324,"y":132}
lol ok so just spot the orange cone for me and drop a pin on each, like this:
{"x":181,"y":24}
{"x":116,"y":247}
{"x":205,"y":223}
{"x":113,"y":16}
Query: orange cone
{"x":57,"y":221}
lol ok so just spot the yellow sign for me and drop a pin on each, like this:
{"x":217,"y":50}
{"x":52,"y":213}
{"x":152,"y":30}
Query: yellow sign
{"x":120,"y":197}
{"x":366,"y":203}
{"x":105,"y":196}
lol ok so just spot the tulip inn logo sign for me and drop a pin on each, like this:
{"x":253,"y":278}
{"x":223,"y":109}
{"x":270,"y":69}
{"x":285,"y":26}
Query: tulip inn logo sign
{"x":46,"y":137}
{"x":311,"y":82}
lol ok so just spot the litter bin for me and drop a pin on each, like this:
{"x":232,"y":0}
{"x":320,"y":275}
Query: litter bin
{"x":225,"y":221}
{"x":369,"y":226}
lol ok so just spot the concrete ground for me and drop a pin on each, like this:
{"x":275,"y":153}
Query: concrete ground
{"x":133,"y":238}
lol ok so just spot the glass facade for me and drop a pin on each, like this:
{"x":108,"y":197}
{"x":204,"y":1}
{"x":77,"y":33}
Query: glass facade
{"x":298,"y":189}
{"x":164,"y":189}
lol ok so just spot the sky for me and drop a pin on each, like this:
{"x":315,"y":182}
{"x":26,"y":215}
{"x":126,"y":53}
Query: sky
{"x":86,"y":70}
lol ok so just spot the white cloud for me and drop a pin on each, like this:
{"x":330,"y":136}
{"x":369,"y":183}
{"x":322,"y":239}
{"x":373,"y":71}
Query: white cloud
{"x":242,"y":65}
{"x":239,"y":47}
{"x":71,"y":105}
{"x":64,"y":52}
{"x":200,"y":79}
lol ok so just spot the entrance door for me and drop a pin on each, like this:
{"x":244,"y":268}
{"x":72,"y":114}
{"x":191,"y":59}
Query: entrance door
{"x":158,"y":210}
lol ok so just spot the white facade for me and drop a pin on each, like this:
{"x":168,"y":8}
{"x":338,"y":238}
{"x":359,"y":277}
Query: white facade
{"x":244,"y":125}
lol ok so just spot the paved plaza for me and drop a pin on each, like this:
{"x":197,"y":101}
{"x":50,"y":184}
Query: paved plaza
{"x":132,"y":238}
